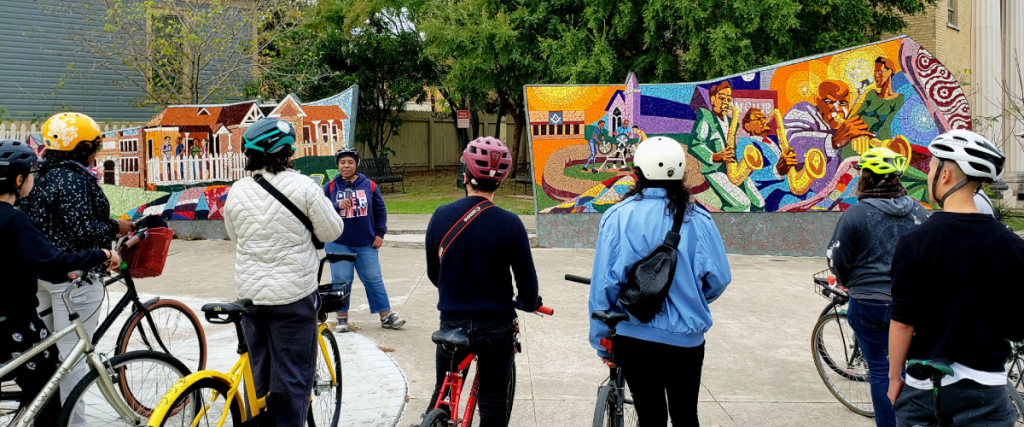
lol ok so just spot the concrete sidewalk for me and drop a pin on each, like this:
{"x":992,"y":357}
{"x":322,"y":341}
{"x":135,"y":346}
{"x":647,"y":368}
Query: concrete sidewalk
{"x":758,"y":369}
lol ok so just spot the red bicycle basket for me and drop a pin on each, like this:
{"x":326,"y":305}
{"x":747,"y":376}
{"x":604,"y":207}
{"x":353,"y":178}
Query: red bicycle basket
{"x":147,"y":258}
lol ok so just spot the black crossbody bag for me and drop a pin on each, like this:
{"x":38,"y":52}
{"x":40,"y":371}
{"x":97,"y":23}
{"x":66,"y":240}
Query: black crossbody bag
{"x":649,"y":280}
{"x":291,"y":207}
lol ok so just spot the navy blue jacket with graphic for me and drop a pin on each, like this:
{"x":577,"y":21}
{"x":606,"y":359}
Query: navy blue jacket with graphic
{"x":368,"y":217}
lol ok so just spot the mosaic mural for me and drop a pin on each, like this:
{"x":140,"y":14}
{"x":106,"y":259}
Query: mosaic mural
{"x":783,"y":138}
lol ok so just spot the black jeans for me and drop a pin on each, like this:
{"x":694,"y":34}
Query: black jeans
{"x":966,"y":402}
{"x":493,"y":341}
{"x":653,"y":370}
{"x":18,"y":333}
{"x":282,"y":345}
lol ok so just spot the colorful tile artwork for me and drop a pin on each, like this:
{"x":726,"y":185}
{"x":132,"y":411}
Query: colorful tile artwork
{"x":825,"y":110}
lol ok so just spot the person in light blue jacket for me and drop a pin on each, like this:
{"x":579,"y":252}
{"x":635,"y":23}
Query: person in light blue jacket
{"x":663,"y":356}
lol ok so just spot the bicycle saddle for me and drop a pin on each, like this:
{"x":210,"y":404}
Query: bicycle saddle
{"x":610,"y":318}
{"x":934,"y":369}
{"x":451,"y":337}
{"x":224,"y":313}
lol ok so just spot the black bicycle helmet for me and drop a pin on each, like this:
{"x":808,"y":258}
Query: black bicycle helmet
{"x":347,"y":150}
{"x":269,"y":135}
{"x":16,"y":159}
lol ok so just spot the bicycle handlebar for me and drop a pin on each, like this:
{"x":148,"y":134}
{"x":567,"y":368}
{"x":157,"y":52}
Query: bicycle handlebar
{"x":577,"y":279}
{"x":137,"y":237}
{"x":546,"y":310}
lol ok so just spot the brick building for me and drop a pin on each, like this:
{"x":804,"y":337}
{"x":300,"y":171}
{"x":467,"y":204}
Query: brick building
{"x":982,"y":43}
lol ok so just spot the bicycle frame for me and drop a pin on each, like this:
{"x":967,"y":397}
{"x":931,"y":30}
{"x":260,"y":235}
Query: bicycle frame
{"x":83,"y":348}
{"x":240,"y":373}
{"x":320,"y":328}
{"x":130,"y":297}
{"x":453,"y":383}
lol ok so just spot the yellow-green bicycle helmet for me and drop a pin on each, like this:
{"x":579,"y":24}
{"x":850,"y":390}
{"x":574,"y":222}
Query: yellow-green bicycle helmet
{"x":883,"y":161}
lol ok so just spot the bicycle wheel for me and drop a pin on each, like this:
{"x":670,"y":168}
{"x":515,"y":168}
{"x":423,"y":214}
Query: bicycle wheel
{"x":200,"y":404}
{"x":179,"y":330}
{"x":435,"y":418}
{"x":1017,"y":402}
{"x":606,"y":413}
{"x":140,"y":377}
{"x":326,"y":404}
{"x":840,"y":364}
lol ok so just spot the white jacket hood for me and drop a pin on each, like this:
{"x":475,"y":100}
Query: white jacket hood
{"x":276,"y":262}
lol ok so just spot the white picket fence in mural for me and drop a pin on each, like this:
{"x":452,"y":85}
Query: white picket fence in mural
{"x":317,"y":148}
{"x":20,"y":131}
{"x":193,"y":170}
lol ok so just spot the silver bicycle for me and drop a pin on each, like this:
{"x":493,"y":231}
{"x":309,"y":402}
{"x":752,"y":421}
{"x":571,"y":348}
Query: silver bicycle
{"x":122,"y":390}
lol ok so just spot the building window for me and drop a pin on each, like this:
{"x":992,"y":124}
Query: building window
{"x":536,"y":130}
{"x":558,"y":129}
{"x":129,"y":165}
{"x":129,"y":146}
{"x":324,"y":132}
{"x":543,"y":130}
{"x":951,"y":12}
{"x":149,"y":143}
{"x":305,"y":134}
{"x":334,"y":132}
{"x":575,"y":129}
{"x":551,"y":129}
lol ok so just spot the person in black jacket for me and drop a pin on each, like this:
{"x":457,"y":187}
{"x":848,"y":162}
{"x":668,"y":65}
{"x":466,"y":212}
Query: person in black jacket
{"x":25,"y":253}
{"x":71,"y":209}
{"x":860,"y":255}
{"x":475,"y":283}
{"x":956,"y":294}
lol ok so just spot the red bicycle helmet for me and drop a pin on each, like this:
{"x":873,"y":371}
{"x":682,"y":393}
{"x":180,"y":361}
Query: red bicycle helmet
{"x":487,"y":158}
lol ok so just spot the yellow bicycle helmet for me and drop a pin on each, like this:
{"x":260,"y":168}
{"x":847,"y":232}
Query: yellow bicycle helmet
{"x":883,"y":161}
{"x":64,"y":131}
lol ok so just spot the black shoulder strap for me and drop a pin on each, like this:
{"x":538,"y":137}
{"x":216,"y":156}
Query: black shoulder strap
{"x":461,"y":224}
{"x":288,"y":204}
{"x":672,"y":237}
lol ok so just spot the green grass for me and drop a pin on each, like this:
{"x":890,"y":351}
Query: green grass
{"x":1016,"y":224}
{"x":426,"y":191}
{"x":124,"y":198}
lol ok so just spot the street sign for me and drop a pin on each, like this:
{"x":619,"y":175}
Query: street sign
{"x":463,"y":117}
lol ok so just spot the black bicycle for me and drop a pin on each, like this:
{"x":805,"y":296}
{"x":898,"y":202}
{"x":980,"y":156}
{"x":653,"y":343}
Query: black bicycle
{"x":614,"y":406}
{"x":1015,"y":379}
{"x":837,"y":355}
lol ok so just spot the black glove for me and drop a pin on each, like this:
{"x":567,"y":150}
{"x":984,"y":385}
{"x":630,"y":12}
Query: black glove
{"x":151,"y":221}
{"x":523,"y":307}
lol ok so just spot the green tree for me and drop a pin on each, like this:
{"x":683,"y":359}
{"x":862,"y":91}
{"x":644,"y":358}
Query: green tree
{"x":331,"y":51}
{"x":492,"y":47}
{"x":692,"y":40}
{"x":180,"y":51}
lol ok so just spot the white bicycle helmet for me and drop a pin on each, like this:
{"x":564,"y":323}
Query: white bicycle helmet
{"x":660,"y":158}
{"x":977,"y":157}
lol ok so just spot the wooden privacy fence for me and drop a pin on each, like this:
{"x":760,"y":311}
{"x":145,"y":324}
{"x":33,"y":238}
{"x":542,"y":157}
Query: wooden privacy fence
{"x":193,"y":170}
{"x":429,"y":139}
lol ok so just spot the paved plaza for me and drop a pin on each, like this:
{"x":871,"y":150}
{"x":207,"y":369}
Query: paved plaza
{"x":758,"y":370}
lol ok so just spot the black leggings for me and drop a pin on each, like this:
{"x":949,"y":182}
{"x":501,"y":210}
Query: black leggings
{"x":18,"y":333}
{"x":654,"y":370}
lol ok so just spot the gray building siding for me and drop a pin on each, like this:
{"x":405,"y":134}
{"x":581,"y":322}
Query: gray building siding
{"x":43,"y":70}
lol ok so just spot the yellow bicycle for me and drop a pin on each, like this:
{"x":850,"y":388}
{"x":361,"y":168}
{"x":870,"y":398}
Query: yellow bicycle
{"x":214,"y":398}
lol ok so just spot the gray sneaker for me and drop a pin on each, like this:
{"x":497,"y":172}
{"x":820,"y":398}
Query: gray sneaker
{"x":342,"y":325}
{"x":392,"y":321}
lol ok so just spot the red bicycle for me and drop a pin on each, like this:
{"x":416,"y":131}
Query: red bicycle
{"x":450,"y":397}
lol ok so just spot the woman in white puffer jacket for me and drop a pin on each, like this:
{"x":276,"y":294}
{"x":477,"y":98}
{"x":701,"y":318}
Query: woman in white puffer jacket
{"x":276,"y":268}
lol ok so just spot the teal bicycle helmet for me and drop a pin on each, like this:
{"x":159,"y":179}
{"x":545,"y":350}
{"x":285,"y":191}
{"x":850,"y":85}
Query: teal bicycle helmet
{"x":269,"y":135}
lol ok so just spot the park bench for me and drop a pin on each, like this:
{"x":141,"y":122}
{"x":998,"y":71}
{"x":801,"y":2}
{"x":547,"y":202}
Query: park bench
{"x":378,"y":169}
{"x":522,"y":177}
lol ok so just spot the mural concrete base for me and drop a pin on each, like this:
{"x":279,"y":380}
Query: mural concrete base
{"x":198,"y":229}
{"x":790,"y":234}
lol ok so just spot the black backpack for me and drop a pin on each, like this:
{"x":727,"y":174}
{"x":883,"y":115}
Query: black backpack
{"x":650,"y":278}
